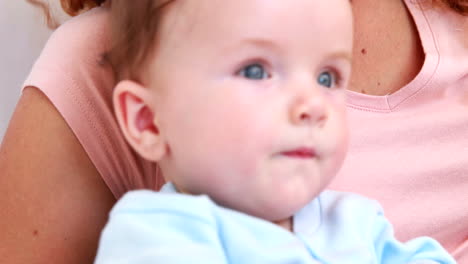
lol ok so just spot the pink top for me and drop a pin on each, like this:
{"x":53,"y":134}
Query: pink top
{"x":409,"y":150}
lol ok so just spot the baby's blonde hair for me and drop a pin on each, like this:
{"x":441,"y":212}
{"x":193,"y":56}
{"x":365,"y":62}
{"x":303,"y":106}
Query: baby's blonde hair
{"x":134,"y":31}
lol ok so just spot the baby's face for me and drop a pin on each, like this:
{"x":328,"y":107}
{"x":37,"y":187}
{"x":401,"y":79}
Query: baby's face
{"x":250,"y":99}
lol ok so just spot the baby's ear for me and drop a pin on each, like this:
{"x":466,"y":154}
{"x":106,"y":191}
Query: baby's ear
{"x":134,"y":109}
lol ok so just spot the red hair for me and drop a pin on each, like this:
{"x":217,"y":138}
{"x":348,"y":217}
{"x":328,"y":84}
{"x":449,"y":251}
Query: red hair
{"x":71,"y":7}
{"x":74,"y":7}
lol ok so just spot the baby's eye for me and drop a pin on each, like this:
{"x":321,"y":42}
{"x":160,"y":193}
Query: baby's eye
{"x":327,"y":79}
{"x":254,"y":72}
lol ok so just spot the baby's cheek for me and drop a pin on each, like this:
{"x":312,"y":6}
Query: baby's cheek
{"x":338,"y":142}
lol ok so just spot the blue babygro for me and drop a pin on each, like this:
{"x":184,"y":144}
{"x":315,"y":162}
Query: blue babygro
{"x":338,"y":228}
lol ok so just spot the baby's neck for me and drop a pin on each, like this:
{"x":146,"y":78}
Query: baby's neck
{"x":285,"y":223}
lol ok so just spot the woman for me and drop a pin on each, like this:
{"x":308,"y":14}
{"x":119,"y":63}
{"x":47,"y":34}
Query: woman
{"x":63,"y":167}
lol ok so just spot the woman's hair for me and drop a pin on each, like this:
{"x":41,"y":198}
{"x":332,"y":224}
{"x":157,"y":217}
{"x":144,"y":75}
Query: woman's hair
{"x":74,"y":7}
{"x":71,"y":7}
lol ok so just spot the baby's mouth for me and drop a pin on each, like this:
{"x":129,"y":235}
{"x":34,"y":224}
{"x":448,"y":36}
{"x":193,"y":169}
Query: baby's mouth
{"x":300,"y":153}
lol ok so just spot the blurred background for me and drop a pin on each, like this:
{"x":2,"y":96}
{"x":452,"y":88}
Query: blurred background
{"x":23,"y":33}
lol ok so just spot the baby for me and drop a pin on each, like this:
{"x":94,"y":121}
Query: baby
{"x":242,"y":105}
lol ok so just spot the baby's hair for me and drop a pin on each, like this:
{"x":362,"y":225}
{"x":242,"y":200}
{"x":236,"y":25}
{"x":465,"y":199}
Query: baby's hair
{"x":134,"y":32}
{"x":459,"y":6}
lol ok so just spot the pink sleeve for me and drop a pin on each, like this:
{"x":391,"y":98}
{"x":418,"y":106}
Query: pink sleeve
{"x":71,"y":74}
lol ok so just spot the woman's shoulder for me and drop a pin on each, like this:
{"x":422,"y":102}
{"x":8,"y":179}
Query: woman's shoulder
{"x":84,"y":38}
{"x":74,"y":57}
{"x":88,"y":25}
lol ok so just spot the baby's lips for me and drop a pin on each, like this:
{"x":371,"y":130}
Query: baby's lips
{"x":303,"y":152}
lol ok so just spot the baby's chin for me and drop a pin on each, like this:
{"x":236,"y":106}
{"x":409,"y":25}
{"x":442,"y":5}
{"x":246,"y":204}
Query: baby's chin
{"x":280,"y":213}
{"x":277,"y":215}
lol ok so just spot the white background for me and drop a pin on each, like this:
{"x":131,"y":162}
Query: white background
{"x":23,"y":33}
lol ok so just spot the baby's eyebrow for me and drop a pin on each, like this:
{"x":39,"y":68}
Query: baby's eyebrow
{"x":262,"y":42}
{"x":258,"y":42}
{"x":340,"y":55}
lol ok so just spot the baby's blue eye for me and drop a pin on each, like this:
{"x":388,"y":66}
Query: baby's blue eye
{"x":327,"y":79}
{"x":254,"y":72}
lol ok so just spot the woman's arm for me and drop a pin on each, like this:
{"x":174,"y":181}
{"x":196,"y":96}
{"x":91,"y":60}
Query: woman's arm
{"x":54,"y":203}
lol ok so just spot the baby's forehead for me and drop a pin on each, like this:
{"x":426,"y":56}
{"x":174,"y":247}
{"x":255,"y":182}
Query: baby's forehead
{"x":230,"y":18}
